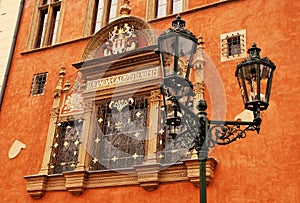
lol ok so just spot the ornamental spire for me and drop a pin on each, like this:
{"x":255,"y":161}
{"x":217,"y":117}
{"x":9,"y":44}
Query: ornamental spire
{"x":125,"y":8}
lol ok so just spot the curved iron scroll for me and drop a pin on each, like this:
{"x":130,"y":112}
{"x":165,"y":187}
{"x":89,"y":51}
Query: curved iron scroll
{"x":226,"y":132}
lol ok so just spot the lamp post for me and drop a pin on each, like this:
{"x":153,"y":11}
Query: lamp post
{"x":254,"y":76}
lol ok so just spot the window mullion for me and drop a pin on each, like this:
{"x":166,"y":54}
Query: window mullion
{"x":48,"y":26}
{"x":169,"y":7}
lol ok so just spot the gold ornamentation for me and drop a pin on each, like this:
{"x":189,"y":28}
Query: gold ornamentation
{"x":121,"y":40}
{"x":120,"y":104}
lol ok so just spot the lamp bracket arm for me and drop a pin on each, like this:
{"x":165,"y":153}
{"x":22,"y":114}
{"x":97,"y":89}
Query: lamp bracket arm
{"x":226,"y":132}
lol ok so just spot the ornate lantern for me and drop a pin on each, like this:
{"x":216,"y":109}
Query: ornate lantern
{"x":254,"y":76}
{"x":177,"y":47}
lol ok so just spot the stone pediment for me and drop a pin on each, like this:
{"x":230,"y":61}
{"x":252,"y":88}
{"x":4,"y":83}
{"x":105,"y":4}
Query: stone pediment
{"x":124,"y":34}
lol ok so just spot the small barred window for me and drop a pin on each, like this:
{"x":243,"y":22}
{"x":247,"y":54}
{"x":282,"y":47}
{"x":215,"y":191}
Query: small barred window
{"x":233,"y":45}
{"x":38,"y":84}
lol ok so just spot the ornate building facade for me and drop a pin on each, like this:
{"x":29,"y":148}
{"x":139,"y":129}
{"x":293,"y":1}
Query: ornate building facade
{"x":81,"y":118}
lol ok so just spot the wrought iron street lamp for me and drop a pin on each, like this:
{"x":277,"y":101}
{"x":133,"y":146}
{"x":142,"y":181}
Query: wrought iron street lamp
{"x":254,"y":75}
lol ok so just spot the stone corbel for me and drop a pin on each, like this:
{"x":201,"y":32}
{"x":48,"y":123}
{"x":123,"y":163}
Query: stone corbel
{"x":76,"y":181}
{"x":36,"y":185}
{"x":193,"y":173}
{"x":148,"y":176}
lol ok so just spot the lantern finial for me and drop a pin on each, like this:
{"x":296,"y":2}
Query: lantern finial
{"x":254,"y":51}
{"x":178,"y":23}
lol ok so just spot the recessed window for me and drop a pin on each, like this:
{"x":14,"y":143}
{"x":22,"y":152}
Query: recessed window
{"x":101,"y":12}
{"x":38,"y":84}
{"x":48,"y":20}
{"x":161,"y":8}
{"x":233,"y":45}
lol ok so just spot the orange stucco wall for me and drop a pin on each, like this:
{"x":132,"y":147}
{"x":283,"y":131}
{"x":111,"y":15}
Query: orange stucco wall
{"x":260,"y":168}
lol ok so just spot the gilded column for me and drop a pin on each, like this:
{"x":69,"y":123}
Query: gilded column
{"x":87,"y":132}
{"x":153,"y":126}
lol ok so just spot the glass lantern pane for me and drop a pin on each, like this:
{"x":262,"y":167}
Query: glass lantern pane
{"x":243,"y":88}
{"x":250,"y":73}
{"x":168,"y":45}
{"x":185,"y":53}
{"x":185,"y":46}
{"x":168,"y":60}
{"x":265,"y":75}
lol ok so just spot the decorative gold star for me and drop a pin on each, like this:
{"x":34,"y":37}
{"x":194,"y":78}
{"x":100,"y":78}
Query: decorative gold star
{"x":115,"y":158}
{"x":66,"y":144}
{"x":97,"y":140}
{"x":137,"y":134}
{"x":55,"y":145}
{"x":161,"y":131}
{"x":100,"y":120}
{"x":95,"y":160}
{"x":76,"y":142}
{"x":75,"y":153}
{"x":138,"y":114}
{"x":135,"y":156}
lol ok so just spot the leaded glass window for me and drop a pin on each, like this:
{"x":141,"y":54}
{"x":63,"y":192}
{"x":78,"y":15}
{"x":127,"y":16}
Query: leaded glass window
{"x":65,"y":148}
{"x":120,"y":134}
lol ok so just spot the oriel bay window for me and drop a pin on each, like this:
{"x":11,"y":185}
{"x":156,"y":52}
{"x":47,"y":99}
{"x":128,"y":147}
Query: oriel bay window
{"x":120,"y":133}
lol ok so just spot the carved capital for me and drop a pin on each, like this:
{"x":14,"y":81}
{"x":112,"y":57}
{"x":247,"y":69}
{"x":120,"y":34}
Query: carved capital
{"x":193,"y":166}
{"x":76,"y":181}
{"x":155,"y":95}
{"x":148,"y":176}
{"x":36,"y":185}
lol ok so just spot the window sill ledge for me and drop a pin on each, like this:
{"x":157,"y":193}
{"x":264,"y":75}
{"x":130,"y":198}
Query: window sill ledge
{"x":148,"y":176}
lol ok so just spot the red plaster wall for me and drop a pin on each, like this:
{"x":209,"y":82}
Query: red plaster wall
{"x":260,"y":168}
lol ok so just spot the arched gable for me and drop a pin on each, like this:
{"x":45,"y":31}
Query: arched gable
{"x":124,"y":34}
